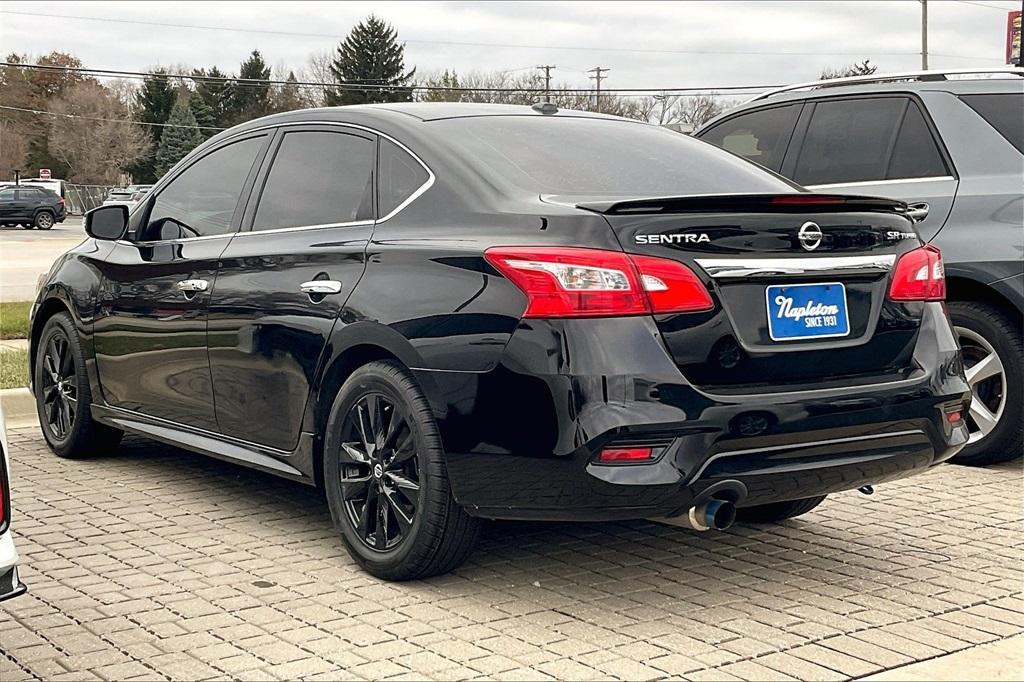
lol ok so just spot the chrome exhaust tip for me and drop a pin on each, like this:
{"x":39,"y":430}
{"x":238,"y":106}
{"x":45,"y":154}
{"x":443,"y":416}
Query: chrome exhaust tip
{"x":717,"y":514}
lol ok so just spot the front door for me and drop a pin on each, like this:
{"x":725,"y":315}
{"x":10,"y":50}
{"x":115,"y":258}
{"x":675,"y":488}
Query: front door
{"x":284,"y":282}
{"x":150,"y":328}
{"x":13,"y":206}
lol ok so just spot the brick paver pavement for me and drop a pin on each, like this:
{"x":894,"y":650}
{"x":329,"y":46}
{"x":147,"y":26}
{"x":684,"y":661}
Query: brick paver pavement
{"x":155,"y":563}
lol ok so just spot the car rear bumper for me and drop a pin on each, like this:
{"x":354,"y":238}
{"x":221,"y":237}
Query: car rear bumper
{"x":10,"y":584}
{"x":523,"y":439}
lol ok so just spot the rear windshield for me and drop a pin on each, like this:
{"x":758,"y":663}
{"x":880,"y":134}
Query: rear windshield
{"x":581,"y":156}
{"x":1004,"y":112}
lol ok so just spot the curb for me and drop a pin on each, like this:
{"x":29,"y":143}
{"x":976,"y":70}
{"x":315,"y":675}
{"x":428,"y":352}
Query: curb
{"x":19,"y":407}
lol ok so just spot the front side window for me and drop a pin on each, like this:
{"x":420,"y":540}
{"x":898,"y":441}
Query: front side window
{"x":318,"y":178}
{"x":7,"y":195}
{"x":849,"y":141}
{"x":201,"y":201}
{"x":761,"y":136}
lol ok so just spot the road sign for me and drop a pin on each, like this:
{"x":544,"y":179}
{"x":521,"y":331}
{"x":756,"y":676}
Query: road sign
{"x":44,"y":173}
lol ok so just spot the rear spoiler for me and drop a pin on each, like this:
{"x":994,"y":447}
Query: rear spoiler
{"x":802,"y":202}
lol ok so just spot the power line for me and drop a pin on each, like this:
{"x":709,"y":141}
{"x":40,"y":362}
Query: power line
{"x":982,"y":4}
{"x":106,"y":120}
{"x":268,"y":82}
{"x":597,"y":78}
{"x":522,"y":46}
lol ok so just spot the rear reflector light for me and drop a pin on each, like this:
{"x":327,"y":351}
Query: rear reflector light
{"x":919,"y":276}
{"x":954,"y":417}
{"x":625,"y":455}
{"x":577,"y":282}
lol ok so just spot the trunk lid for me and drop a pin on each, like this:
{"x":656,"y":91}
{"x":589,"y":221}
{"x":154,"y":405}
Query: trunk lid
{"x":800,"y":284}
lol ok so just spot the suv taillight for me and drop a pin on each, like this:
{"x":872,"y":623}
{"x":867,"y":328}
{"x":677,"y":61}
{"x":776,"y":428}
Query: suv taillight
{"x":919,"y":276}
{"x":578,"y":282}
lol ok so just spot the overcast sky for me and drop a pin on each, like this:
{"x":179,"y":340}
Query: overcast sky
{"x":646,"y":45}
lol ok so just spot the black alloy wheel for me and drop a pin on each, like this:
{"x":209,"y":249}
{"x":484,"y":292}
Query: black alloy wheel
{"x":59,"y":385}
{"x":380,"y":472}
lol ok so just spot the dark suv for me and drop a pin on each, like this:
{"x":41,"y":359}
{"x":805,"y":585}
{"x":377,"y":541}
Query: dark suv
{"x":952,"y":146}
{"x":30,"y":207}
{"x":448,"y":312}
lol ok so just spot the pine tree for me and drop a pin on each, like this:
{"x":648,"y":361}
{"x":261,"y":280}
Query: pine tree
{"x":153,"y":104}
{"x":371,"y":55}
{"x":180,"y":137}
{"x":203,"y":114}
{"x":252,"y":100}
{"x":288,"y":97}
{"x":217,"y":92}
{"x":448,"y":79}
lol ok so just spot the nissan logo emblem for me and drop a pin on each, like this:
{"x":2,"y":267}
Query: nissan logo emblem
{"x":810,"y":236}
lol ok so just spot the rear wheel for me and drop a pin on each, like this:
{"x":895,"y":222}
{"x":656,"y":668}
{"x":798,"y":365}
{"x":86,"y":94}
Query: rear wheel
{"x":777,"y":511}
{"x":44,"y":220}
{"x":63,"y":396}
{"x":386,"y":481}
{"x":994,"y":364}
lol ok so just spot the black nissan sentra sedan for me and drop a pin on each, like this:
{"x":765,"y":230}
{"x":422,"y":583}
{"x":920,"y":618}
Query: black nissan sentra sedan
{"x":443,"y":313}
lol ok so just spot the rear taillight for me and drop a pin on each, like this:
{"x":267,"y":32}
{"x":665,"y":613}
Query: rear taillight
{"x":626,"y":455}
{"x":919,"y":276}
{"x":577,"y":282}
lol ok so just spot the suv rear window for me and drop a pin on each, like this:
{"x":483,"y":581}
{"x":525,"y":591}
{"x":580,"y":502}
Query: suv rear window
{"x":1004,"y":112}
{"x":601,"y":157}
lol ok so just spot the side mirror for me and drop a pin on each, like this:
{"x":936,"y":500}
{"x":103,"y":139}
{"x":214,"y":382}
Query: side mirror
{"x":107,"y":222}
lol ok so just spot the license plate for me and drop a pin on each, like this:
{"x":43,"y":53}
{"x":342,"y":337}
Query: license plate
{"x":807,"y":311}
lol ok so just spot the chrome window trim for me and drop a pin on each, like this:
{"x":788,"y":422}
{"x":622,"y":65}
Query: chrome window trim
{"x":894,"y":181}
{"x":273,"y":126}
{"x":741,"y":268}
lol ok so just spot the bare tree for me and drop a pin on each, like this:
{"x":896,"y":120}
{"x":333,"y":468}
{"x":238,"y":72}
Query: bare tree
{"x":696,"y":110}
{"x":864,"y":68}
{"x":318,"y":68}
{"x":91,"y":136}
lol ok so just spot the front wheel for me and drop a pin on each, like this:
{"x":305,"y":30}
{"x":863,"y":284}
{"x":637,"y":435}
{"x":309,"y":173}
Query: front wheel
{"x":994,"y":365}
{"x":44,"y":220}
{"x":777,"y":511}
{"x":386,"y":481}
{"x":63,"y":396}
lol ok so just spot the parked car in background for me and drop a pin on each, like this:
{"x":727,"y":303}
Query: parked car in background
{"x":449,"y":312}
{"x":128,"y":196}
{"x":10,"y":584}
{"x":30,"y":206}
{"x":950,"y":144}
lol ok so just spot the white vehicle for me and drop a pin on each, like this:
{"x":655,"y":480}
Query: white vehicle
{"x":127,"y":196}
{"x":56,"y":186}
{"x":10,"y":585}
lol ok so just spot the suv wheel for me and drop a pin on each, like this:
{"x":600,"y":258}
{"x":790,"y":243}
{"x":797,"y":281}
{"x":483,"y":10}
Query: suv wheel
{"x":386,"y":481}
{"x":63,"y":396}
{"x":994,"y":365}
{"x":44,"y":220}
{"x":777,"y":511}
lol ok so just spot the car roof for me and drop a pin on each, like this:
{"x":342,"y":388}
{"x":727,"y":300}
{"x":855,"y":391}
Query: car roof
{"x":997,"y":82}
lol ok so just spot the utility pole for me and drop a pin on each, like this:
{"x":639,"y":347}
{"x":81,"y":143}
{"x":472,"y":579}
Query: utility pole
{"x":547,"y":80}
{"x":924,"y":35}
{"x":597,"y":78}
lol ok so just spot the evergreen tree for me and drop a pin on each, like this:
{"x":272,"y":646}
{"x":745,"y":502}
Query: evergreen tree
{"x":203,"y":114}
{"x":217,"y":92}
{"x":288,"y":97}
{"x":180,"y":137}
{"x":252,"y":100}
{"x":371,"y":55}
{"x":448,"y":79}
{"x":153,"y":104}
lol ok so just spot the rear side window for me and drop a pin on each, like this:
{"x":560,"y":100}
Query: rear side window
{"x":916,"y":155}
{"x":318,"y":178}
{"x":201,"y":201}
{"x":1004,"y":112}
{"x":760,"y":136}
{"x":400,"y":176}
{"x":849,"y":141}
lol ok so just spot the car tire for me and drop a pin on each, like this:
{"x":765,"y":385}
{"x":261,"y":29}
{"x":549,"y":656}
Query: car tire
{"x":419,"y":530}
{"x":991,"y":338}
{"x":44,"y":220}
{"x":63,"y":395}
{"x":777,"y":511}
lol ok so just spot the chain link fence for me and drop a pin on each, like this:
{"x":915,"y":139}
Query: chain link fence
{"x":81,"y":198}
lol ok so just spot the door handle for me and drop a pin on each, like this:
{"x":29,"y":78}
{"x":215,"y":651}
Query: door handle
{"x":321,"y":287}
{"x":192,"y":285}
{"x":917,"y":212}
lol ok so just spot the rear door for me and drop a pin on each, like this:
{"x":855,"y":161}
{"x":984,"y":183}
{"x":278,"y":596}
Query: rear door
{"x":877,"y":146}
{"x":283,"y":282}
{"x":150,"y":330}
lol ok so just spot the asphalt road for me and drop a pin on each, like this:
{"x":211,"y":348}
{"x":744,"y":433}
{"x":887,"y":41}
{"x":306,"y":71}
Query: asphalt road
{"x":25,"y":254}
